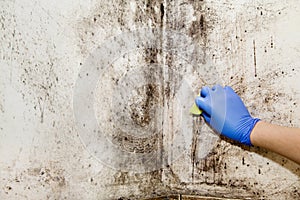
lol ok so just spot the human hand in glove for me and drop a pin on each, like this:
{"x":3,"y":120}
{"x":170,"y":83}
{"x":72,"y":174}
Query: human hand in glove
{"x":225,"y":112}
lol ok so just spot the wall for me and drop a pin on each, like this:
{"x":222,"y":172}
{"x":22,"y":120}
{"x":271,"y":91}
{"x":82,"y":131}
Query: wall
{"x":94,"y":97}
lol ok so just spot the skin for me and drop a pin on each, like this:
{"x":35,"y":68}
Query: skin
{"x":282,"y":140}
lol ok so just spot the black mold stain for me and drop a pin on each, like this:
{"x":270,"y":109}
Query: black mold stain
{"x":130,"y":143}
{"x":202,"y":25}
{"x":209,"y":171}
{"x":268,"y":98}
{"x":50,"y":177}
{"x":272,"y":43}
{"x":168,"y":172}
{"x":198,"y":31}
{"x":162,"y":12}
{"x":194,"y":147}
{"x":140,"y":113}
{"x":254,"y":58}
{"x":149,"y":184}
{"x":151,"y":56}
{"x":174,"y":77}
{"x":147,"y":11}
{"x":213,"y":163}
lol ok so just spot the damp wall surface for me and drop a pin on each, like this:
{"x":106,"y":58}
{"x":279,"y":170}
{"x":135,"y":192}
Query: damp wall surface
{"x":95,"y":95}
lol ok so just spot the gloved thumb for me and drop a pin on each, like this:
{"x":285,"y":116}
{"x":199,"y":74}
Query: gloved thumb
{"x":203,"y":105}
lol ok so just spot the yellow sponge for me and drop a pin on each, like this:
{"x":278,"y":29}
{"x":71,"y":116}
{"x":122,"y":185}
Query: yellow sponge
{"x":195,"y":110}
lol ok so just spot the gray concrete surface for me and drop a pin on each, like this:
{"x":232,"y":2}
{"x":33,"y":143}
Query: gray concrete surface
{"x":94,"y":97}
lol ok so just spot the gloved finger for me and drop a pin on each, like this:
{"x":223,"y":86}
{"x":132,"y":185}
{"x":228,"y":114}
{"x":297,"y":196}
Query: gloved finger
{"x":206,"y":117}
{"x":204,"y":91}
{"x":203,"y":104}
{"x":229,"y":89}
{"x":215,"y":87}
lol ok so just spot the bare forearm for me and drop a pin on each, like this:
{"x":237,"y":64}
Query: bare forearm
{"x":282,"y":140}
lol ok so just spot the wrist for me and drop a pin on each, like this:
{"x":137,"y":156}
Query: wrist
{"x":248,"y":128}
{"x":256,"y":133}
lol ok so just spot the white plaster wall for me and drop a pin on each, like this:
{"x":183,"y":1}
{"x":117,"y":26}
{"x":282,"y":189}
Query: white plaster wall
{"x":251,"y":45}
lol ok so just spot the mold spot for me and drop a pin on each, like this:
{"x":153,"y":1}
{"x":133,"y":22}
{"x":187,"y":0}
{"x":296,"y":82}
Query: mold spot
{"x":162,"y":12}
{"x":142,"y":108}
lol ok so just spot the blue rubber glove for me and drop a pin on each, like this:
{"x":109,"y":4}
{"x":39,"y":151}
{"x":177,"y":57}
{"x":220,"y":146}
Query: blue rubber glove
{"x":224,"y":110}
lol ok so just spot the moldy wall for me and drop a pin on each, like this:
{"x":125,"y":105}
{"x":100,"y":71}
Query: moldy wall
{"x":94,"y":97}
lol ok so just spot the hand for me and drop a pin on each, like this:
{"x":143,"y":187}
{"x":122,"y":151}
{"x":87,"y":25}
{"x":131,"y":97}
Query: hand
{"x":224,"y":110}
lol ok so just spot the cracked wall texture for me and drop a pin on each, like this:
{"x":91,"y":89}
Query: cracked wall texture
{"x":142,"y":97}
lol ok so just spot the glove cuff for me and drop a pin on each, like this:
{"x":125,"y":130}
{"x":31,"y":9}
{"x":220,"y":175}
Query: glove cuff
{"x":246,"y":139}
